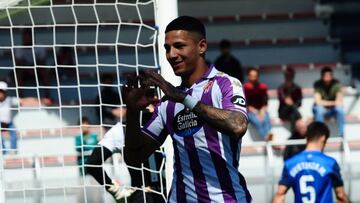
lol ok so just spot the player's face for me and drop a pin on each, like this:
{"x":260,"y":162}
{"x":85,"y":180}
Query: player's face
{"x":184,"y":50}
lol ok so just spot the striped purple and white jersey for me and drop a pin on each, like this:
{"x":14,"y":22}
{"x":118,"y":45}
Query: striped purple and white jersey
{"x":205,"y":160}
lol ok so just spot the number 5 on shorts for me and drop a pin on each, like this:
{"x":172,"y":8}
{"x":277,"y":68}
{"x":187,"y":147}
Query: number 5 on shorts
{"x":305,"y":188}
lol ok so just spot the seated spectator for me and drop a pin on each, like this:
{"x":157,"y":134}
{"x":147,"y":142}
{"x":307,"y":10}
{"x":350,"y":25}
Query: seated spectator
{"x":227,"y":63}
{"x":85,"y":143}
{"x":24,"y":56}
{"x":329,"y":99}
{"x":256,"y":96}
{"x":298,"y":133}
{"x":66,"y":63}
{"x":290,"y":96}
{"x":6,"y":103}
{"x":7,"y":127}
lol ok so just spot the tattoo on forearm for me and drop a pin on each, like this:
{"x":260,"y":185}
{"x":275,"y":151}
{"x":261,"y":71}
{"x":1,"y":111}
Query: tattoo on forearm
{"x":232,"y":123}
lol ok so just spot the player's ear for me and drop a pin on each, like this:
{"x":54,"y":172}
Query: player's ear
{"x":202,"y":46}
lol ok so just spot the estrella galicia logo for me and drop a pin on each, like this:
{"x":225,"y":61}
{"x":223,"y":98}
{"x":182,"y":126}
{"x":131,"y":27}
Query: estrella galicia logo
{"x":186,"y":123}
{"x":238,"y":100}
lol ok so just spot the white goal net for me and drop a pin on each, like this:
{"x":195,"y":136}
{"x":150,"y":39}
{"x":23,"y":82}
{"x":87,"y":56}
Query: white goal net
{"x":61,"y":61}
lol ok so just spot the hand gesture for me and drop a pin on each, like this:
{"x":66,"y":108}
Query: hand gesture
{"x":136,"y":98}
{"x":171,"y":93}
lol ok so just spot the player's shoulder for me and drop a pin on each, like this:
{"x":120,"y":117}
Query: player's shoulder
{"x":223,"y":78}
{"x":328,"y":158}
{"x":295,"y":159}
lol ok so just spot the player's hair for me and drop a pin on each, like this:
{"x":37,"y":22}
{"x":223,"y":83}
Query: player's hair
{"x":252,"y":69}
{"x":315,"y":130}
{"x":187,"y":23}
{"x":326,"y":69}
{"x":225,"y":44}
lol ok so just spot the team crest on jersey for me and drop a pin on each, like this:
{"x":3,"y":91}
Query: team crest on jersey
{"x":208,"y":86}
{"x":186,"y":123}
{"x":238,"y":100}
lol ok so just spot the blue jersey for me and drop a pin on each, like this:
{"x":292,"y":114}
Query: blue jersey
{"x":312,"y":175}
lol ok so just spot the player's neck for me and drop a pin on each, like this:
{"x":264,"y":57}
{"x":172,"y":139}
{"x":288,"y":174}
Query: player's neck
{"x":314,"y":146}
{"x":199,"y":71}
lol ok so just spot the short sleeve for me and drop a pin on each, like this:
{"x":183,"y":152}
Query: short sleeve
{"x":336,"y":176}
{"x":155,"y":127}
{"x":285,"y":178}
{"x":14,"y":101}
{"x":233,"y":97}
{"x":337,"y":87}
{"x":317,"y":86}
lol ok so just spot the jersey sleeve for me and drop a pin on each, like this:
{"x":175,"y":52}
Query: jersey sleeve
{"x":155,"y":127}
{"x":336,"y":176}
{"x":285,"y":178}
{"x":233,"y":97}
{"x":14,"y":101}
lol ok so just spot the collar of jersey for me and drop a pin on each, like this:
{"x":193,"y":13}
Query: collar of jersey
{"x":210,"y":73}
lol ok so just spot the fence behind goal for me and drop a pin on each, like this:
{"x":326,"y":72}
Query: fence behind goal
{"x":64,"y":51}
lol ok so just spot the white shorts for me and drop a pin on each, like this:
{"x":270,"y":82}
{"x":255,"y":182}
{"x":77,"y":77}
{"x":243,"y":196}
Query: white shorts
{"x":114,"y":138}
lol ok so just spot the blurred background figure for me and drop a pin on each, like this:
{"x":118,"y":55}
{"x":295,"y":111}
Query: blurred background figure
{"x":85,"y":142}
{"x":6,"y":105}
{"x":227,"y":63}
{"x":7,"y":129}
{"x":109,"y":99}
{"x":290,"y":96}
{"x":65,"y":59}
{"x":328,"y":99}
{"x":257,"y":98}
{"x":298,"y":133}
{"x":25,"y":56}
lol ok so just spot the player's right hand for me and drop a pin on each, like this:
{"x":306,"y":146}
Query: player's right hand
{"x":136,"y":98}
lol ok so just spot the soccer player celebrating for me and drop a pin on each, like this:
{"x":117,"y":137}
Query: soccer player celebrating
{"x":312,"y":174}
{"x":205,"y":117}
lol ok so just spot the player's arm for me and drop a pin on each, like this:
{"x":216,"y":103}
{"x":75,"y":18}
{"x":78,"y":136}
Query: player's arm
{"x":341,"y":195}
{"x":138,"y":146}
{"x":229,"y":122}
{"x":232,"y":123}
{"x":279,"y":196}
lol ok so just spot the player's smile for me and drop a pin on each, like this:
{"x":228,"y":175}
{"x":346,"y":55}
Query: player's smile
{"x":181,"y":51}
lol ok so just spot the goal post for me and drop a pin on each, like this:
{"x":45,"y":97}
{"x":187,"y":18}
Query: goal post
{"x":166,"y":11}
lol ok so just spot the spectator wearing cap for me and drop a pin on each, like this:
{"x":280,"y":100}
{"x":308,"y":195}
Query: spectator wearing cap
{"x":7,"y":128}
{"x":6,"y":104}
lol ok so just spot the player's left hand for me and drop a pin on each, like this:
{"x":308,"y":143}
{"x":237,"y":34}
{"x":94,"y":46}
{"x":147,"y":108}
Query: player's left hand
{"x":171,"y":93}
